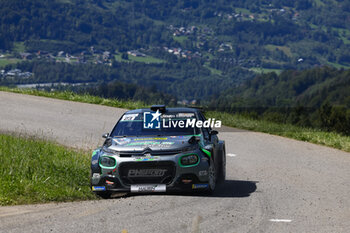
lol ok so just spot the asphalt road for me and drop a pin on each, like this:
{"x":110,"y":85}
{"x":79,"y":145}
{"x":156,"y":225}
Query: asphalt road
{"x":274,"y":184}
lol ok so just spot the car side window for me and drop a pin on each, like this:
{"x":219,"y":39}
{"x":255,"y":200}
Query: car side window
{"x":204,"y":130}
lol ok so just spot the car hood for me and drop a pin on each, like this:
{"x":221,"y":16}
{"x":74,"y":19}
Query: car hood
{"x":160,"y":143}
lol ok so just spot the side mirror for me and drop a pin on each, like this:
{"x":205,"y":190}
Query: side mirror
{"x":213,"y":132}
{"x":106,"y":135}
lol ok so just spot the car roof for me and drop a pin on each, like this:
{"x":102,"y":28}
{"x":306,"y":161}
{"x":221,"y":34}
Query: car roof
{"x":168,"y":110}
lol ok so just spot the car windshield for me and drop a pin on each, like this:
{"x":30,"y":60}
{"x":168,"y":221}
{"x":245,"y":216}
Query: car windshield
{"x":169,"y":125}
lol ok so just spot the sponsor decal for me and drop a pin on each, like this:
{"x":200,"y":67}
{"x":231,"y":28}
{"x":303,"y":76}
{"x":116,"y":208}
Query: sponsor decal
{"x":162,"y":146}
{"x":121,"y":141}
{"x":203,"y":173}
{"x":200,"y":186}
{"x":98,"y":188}
{"x":160,"y":138}
{"x":146,"y":172}
{"x":151,"y":120}
{"x":146,"y":158}
{"x":94,"y":152}
{"x":129,"y":117}
{"x":206,"y":152}
{"x":191,"y":123}
{"x":148,"y":188}
{"x":144,"y":143}
{"x":183,"y":114}
{"x":168,"y":116}
{"x":153,"y":143}
{"x":168,"y":143}
{"x":141,"y":139}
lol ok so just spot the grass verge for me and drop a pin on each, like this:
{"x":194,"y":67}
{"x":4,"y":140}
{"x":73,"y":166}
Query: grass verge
{"x":316,"y":136}
{"x":84,"y":98}
{"x":38,"y":171}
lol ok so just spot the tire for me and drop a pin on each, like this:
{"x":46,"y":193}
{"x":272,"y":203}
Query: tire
{"x":212,"y":178}
{"x":222,"y":166}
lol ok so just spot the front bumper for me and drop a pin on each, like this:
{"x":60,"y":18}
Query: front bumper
{"x":176,"y":178}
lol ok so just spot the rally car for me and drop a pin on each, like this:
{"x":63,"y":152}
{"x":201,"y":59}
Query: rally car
{"x":159,"y":150}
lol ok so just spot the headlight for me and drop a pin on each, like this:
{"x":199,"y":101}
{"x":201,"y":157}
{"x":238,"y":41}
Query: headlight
{"x":107,"y":162}
{"x":189,"y":160}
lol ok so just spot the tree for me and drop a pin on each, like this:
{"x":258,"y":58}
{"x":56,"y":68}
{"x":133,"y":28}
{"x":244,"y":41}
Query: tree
{"x":125,"y":56}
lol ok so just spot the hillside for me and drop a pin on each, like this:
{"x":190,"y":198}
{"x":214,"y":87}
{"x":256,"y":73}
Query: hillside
{"x":318,"y":97}
{"x":309,"y":88}
{"x":183,"y":48}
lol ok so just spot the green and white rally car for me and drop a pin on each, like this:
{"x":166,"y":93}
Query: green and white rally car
{"x":159,"y":150}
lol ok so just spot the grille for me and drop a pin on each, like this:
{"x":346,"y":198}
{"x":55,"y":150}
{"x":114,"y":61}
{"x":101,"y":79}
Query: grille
{"x":153,"y":153}
{"x":145,"y":177}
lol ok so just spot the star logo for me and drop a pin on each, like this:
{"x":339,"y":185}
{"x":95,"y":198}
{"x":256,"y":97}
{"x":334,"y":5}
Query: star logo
{"x":151,"y":120}
{"x":156,"y":116}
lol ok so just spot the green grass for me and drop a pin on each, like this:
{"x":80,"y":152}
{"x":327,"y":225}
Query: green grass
{"x":345,"y":40}
{"x":242,"y":10}
{"x":5,"y":62}
{"x":180,"y":39}
{"x":37,"y":171}
{"x":343,"y":34}
{"x":67,"y":95}
{"x":340,"y":32}
{"x":319,"y":3}
{"x":265,"y":70}
{"x":316,"y":136}
{"x":330,"y":139}
{"x":66,"y":1}
{"x":147,"y":59}
{"x":285,"y":49}
{"x":118,"y":57}
{"x":19,"y":47}
{"x":338,"y":66}
{"x":213,"y":70}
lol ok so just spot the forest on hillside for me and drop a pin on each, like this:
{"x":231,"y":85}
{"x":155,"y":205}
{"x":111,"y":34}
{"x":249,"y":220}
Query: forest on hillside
{"x":280,"y":60}
{"x":318,"y":97}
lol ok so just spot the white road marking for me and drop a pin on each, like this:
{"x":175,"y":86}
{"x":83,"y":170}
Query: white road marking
{"x":195,"y":224}
{"x":231,"y":155}
{"x":280,"y":220}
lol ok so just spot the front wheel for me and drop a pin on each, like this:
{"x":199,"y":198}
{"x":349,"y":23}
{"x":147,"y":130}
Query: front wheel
{"x":212,"y":178}
{"x":222,"y":166}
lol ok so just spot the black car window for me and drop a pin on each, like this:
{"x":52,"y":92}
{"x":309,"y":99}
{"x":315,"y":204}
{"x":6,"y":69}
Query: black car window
{"x":204,"y":130}
{"x":133,"y":125}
